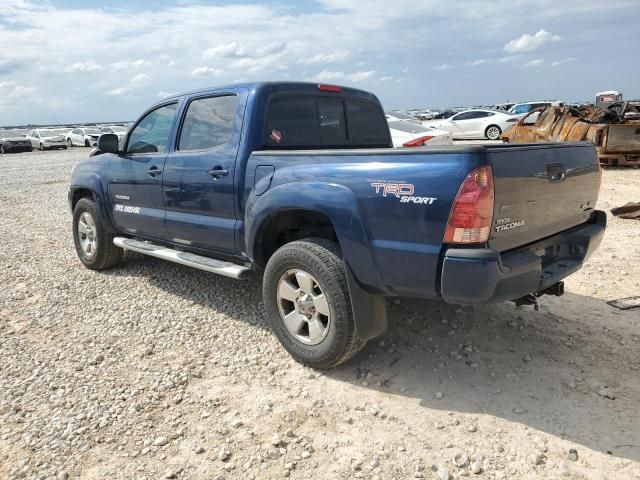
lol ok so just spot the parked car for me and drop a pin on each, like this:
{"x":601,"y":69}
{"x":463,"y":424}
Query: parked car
{"x":404,"y":117}
{"x":12,"y":142}
{"x":523,"y":108}
{"x":475,"y":124}
{"x":503,"y":106}
{"x":267,"y":178}
{"x":444,"y":114}
{"x":47,"y":138}
{"x":82,"y":137}
{"x":406,"y":134}
{"x":118,"y":130}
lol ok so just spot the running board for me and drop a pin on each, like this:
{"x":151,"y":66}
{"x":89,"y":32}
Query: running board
{"x":184,"y":258}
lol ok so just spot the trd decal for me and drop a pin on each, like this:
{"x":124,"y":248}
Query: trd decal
{"x":403,"y":191}
{"x":126,"y":209}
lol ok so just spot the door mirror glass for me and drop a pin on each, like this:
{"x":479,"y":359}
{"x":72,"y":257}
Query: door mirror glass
{"x":108,"y":143}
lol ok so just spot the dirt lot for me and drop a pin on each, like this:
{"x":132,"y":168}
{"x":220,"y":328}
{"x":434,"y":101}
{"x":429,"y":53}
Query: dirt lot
{"x":153,"y":370}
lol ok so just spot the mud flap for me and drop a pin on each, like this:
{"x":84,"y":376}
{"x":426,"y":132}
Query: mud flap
{"x":369,"y":311}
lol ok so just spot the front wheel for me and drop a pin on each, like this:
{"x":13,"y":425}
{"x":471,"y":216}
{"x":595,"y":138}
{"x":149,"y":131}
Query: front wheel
{"x":94,"y":245}
{"x":493,"y":132}
{"x":42,"y":147}
{"x":2,"y":152}
{"x":69,"y":143}
{"x":308,"y":305}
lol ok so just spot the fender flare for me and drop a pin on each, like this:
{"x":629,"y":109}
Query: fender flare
{"x":93,"y":183}
{"x":339,"y":204}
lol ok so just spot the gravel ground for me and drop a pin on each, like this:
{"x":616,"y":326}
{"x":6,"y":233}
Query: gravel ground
{"x":153,"y":370}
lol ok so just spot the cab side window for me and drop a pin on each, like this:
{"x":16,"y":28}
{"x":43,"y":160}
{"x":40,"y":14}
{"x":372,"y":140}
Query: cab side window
{"x":151,"y":134}
{"x":208,"y":123}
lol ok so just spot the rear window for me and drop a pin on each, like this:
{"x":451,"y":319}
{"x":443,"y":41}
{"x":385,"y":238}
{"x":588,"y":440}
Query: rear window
{"x":313,"y":121}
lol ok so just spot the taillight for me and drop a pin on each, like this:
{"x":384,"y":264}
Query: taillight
{"x":418,"y":142}
{"x":329,"y":88}
{"x":472,"y":210}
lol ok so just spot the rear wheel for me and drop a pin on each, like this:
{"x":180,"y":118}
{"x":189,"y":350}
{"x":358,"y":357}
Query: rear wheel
{"x":94,"y":245}
{"x":493,"y":132}
{"x":86,"y":143}
{"x":42,"y":147}
{"x":2,"y":152}
{"x":308,"y":305}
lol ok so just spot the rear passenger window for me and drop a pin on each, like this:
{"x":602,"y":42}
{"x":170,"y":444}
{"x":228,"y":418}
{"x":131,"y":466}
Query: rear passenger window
{"x":367,"y":125}
{"x":208,"y":123}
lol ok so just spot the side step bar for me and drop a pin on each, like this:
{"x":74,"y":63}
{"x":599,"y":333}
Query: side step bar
{"x":184,"y":258}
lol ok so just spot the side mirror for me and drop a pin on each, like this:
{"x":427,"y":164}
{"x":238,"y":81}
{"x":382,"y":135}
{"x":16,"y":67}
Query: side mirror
{"x":108,"y":143}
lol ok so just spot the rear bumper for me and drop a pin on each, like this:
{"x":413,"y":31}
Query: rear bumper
{"x":476,"y":276}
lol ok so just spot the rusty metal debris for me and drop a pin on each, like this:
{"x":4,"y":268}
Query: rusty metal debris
{"x":629,"y":210}
{"x":614,"y":129}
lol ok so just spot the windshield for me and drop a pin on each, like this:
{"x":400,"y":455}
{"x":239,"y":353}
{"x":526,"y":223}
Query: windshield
{"x":91,"y":131}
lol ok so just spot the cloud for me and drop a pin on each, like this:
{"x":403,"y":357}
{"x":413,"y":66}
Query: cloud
{"x":327,"y":75}
{"x":10,"y":66}
{"x":129,"y":65}
{"x":443,"y":67}
{"x":527,"y":43}
{"x":534,"y":63}
{"x":360,"y":76}
{"x":83,"y":67}
{"x":563,"y":61}
{"x":323,"y":58}
{"x":480,"y":61}
{"x":386,"y":78}
{"x":135,"y":82}
{"x":206,"y":71}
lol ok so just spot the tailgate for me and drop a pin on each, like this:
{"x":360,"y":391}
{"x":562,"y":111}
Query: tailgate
{"x":623,"y":138}
{"x":541,"y":190}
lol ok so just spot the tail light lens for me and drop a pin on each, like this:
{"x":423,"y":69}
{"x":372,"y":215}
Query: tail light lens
{"x":472,"y":211}
{"x":418,"y":142}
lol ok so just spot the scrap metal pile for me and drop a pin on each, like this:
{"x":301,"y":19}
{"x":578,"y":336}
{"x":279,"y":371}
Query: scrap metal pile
{"x":614,"y":129}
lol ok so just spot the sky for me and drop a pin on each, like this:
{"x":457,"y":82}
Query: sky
{"x":81,"y":61}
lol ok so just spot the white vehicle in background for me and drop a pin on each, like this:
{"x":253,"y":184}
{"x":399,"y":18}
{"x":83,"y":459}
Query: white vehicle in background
{"x":47,"y":138}
{"x":475,"y":124}
{"x":521,"y":109}
{"x":407,"y":134}
{"x":118,"y":130}
{"x":404,"y":117}
{"x":83,"y":137}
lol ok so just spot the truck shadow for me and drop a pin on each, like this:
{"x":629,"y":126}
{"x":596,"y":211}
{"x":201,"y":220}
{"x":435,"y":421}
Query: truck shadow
{"x":541,"y":369}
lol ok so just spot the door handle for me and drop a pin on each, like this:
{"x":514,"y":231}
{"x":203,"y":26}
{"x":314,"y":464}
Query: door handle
{"x":218,"y":172}
{"x":154,"y":171}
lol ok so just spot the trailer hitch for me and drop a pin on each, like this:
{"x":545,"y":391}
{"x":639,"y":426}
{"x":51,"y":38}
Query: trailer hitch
{"x":557,"y":290}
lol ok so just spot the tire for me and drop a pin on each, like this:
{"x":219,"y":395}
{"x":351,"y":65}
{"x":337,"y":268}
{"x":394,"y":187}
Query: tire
{"x":30,"y":150}
{"x":2,"y":152}
{"x":41,"y":147}
{"x":103,"y":253}
{"x":69,"y":143}
{"x":64,"y":148}
{"x":493,"y":132}
{"x":86,"y":143}
{"x":320,"y":260}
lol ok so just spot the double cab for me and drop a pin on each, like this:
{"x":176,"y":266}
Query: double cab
{"x":298,"y":183}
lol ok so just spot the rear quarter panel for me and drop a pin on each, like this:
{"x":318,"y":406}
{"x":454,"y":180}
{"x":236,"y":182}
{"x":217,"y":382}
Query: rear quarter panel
{"x":392,"y":246}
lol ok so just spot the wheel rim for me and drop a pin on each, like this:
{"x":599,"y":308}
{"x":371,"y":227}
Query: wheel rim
{"x":303,"y":306}
{"x":87,"y":234}
{"x":493,"y":133}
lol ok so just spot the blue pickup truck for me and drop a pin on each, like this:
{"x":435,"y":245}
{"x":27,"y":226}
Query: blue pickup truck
{"x":298,"y":183}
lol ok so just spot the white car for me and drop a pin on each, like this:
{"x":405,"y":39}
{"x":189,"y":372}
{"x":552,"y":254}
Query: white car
{"x":83,"y":137}
{"x":121,"y":132}
{"x":475,"y":124}
{"x":46,"y":138}
{"x":407,"y":134}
